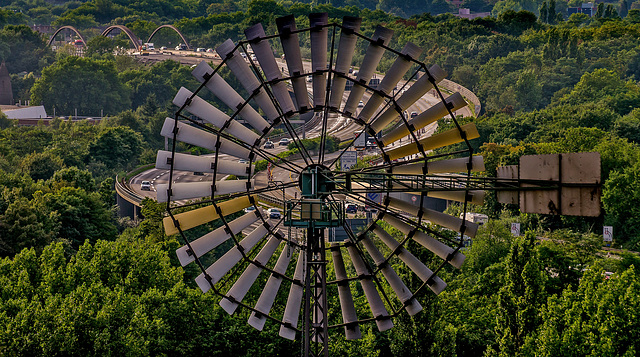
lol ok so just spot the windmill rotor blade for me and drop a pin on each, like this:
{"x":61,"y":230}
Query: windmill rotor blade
{"x":292,"y":310}
{"x":402,"y":292}
{"x":249,"y":276}
{"x":441,"y":166}
{"x":454,"y":102}
{"x":435,"y":141}
{"x":207,"y":112}
{"x":391,"y":78}
{"x":369,"y":64}
{"x":221,"y":89}
{"x":421,"y":270}
{"x":346,"y":48}
{"x":211,"y":240}
{"x":477,"y":196}
{"x":472,"y":196}
{"x":247,"y":78}
{"x":439,"y":218}
{"x":435,"y":246}
{"x":319,"y":32}
{"x":224,"y":264}
{"x":373,"y":297}
{"x":192,"y":190}
{"x":349,"y":315}
{"x":194,"y":136}
{"x":264,"y":54}
{"x":268,"y":295}
{"x":415,"y":92}
{"x":291,"y":47}
{"x":198,"y":216}
{"x":231,"y":129}
{"x":187,"y":162}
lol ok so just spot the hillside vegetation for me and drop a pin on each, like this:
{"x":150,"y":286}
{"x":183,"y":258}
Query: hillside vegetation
{"x":77,"y":280}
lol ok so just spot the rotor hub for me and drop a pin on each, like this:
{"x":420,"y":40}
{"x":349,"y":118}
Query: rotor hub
{"x":316,"y":182}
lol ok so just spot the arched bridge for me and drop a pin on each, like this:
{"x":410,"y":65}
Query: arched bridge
{"x":174,"y":29}
{"x":135,"y":41}
{"x":66,"y":28}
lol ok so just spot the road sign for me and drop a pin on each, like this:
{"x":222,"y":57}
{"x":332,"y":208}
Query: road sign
{"x":515,"y":229}
{"x":607,"y":233}
{"x":374,"y":196}
{"x":414,"y":198}
{"x":360,"y":140}
{"x":348,"y":160}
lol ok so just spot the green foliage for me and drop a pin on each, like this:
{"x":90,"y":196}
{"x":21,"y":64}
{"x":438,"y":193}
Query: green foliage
{"x":331,"y":144}
{"x":588,"y":321}
{"x":41,"y":166}
{"x":620,"y":195}
{"x":23,"y":50}
{"x":88,"y":85}
{"x":116,"y":147}
{"x":100,"y":45}
{"x":81,"y":215}
{"x":490,"y":246}
{"x":520,"y":299}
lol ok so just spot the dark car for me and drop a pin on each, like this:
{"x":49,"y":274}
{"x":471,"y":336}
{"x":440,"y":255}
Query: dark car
{"x":351,"y":208}
{"x":274,"y":213}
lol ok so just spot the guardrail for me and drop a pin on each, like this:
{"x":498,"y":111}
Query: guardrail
{"x":270,"y":200}
{"x":466,"y":93}
{"x":123,"y":190}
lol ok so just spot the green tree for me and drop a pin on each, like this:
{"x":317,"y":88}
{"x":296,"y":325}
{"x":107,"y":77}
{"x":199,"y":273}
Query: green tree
{"x":26,"y":224}
{"x":551,"y":19}
{"x":100,"y":45}
{"x":88,"y":85}
{"x":118,"y":148}
{"x":23,"y":50}
{"x":41,"y":165}
{"x":520,"y":299}
{"x":544,"y":12}
{"x":121,"y":297}
{"x":599,"y":11}
{"x":74,"y":177}
{"x":81,"y":215}
{"x":620,"y":195}
{"x":589,"y":321}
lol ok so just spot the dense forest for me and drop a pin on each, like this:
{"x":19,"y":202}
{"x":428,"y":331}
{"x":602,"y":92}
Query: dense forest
{"x":77,"y":280}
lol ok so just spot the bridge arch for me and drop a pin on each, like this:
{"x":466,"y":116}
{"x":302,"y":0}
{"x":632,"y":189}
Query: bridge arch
{"x":134,"y":39}
{"x":66,"y":28}
{"x":174,"y":29}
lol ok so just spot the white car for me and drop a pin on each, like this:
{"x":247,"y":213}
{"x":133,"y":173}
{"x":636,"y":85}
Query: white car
{"x":361,"y":104}
{"x":284,"y":142}
{"x":145,"y":186}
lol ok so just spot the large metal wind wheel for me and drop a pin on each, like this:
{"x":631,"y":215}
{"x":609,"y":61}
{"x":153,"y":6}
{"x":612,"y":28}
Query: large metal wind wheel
{"x":299,"y":286}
